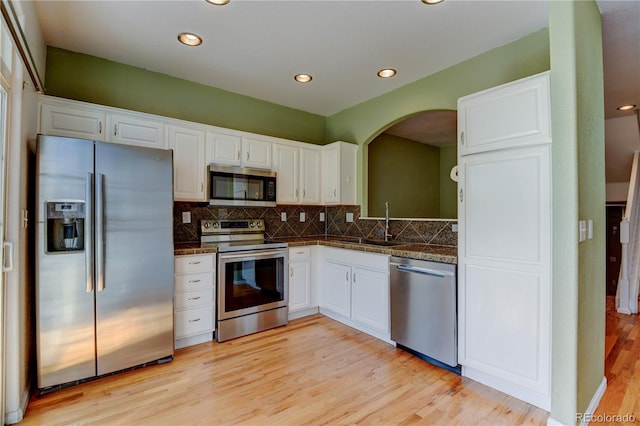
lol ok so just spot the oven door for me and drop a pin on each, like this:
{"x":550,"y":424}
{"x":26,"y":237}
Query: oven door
{"x":252,"y":281}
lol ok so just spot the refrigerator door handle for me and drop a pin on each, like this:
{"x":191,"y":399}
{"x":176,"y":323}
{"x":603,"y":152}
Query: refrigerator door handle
{"x":100,"y":231}
{"x":88,"y":231}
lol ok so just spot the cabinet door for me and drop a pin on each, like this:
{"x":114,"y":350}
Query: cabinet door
{"x":257,"y":153}
{"x":130,"y":129}
{"x":331,"y":175}
{"x":515,"y":114}
{"x":72,"y":122}
{"x":286,"y":165}
{"x":189,"y":170}
{"x":504,"y":269}
{"x":336,"y":288}
{"x":370,"y":299}
{"x":299,"y":285}
{"x":310,"y":176}
{"x":223,"y":149}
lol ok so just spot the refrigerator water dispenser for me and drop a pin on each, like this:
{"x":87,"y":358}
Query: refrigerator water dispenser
{"x":65,"y":226}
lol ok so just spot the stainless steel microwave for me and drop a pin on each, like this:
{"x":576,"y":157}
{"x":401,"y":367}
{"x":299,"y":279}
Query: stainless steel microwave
{"x":236,"y":186}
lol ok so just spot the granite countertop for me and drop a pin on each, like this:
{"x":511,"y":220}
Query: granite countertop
{"x":433,"y":253}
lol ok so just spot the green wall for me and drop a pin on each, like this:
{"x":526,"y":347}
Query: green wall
{"x":91,"y":79}
{"x":406,"y":174}
{"x":361,"y":123}
{"x":448,"y":187}
{"x":577,"y":102}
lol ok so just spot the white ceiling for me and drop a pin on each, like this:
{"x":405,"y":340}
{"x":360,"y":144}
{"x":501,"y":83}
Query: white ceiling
{"x":256,"y":47}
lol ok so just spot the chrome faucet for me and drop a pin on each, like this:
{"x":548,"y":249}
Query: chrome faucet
{"x":387,"y":235}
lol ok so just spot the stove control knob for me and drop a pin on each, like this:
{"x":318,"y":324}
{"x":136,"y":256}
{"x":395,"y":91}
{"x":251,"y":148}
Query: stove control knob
{"x":216,"y":225}
{"x":207,"y":225}
{"x":252,"y":225}
{"x":259,"y":224}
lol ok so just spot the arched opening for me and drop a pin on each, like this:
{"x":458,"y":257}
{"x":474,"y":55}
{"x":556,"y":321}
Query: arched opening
{"x":409,"y":163}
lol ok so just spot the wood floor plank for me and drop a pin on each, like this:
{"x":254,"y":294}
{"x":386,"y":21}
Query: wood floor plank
{"x":314,"y":371}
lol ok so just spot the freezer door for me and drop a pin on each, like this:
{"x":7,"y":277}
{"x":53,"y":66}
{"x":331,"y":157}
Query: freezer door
{"x":134,"y":256}
{"x":65,"y":339}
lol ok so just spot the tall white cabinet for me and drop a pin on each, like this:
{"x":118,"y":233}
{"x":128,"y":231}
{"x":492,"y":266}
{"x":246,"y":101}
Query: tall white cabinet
{"x":504,"y":250}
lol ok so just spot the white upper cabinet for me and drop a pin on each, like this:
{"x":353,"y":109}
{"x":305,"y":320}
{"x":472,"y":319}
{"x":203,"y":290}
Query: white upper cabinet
{"x":189,"y":168}
{"x":515,"y":114}
{"x":286,"y":164}
{"x":135,"y":129}
{"x":338,"y":173}
{"x":238,"y":151}
{"x":85,"y":121}
{"x":72,"y":121}
{"x":310,"y":176}
{"x":298,"y":174}
{"x":224,"y":149}
{"x":256,"y":153}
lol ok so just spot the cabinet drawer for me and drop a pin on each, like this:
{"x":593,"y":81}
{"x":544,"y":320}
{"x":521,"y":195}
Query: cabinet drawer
{"x":193,"y":321}
{"x":196,"y":263}
{"x":191,"y":282}
{"x":193,"y":299}
{"x":299,"y":253}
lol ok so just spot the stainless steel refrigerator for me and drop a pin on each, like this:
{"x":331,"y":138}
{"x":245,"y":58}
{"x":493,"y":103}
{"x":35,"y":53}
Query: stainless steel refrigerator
{"x":104,"y":262}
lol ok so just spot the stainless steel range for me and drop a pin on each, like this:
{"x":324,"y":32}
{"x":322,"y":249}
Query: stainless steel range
{"x":252,"y":282}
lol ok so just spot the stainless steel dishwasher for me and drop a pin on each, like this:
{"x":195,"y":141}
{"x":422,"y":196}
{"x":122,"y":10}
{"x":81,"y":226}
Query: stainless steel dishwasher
{"x":423,"y":310}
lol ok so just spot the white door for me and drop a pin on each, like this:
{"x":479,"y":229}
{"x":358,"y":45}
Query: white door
{"x":310,"y":176}
{"x":336,"y":288}
{"x":3,"y":145}
{"x":286,"y":165}
{"x":504,"y":268}
{"x":370,"y":299}
{"x":299,"y":285}
{"x":188,"y":163}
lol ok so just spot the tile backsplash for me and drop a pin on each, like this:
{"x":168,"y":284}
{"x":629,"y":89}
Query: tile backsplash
{"x":436,"y":232}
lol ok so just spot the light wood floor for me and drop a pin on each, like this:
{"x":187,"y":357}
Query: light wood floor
{"x":313,"y":371}
{"x":622,"y":365}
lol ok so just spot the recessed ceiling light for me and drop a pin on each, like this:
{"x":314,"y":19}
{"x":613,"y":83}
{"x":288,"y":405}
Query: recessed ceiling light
{"x":218,"y":2}
{"x":432,"y":1}
{"x":386,"y":73}
{"x":626,"y":107}
{"x":303,"y":78}
{"x":190,"y":39}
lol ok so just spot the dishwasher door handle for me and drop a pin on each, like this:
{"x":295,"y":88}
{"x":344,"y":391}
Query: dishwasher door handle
{"x":424,"y":271}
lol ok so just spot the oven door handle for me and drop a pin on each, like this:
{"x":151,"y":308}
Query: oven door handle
{"x":254,"y":254}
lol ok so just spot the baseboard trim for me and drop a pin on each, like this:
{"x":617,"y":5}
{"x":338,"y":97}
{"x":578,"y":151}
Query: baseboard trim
{"x":16,"y":416}
{"x":303,"y":313}
{"x":585,"y":418}
{"x":525,"y":394}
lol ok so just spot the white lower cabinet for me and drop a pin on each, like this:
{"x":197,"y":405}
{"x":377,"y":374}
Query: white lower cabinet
{"x":354,"y":289}
{"x":302,"y":298}
{"x":194,"y":300}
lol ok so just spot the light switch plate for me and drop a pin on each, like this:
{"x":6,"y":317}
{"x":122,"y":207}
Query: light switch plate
{"x":321,"y":216}
{"x":283,"y":216}
{"x":303,"y":216}
{"x":186,"y":217}
{"x":583,"y":230}
{"x":590,"y":229}
{"x":454,"y":227}
{"x":349,"y":217}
